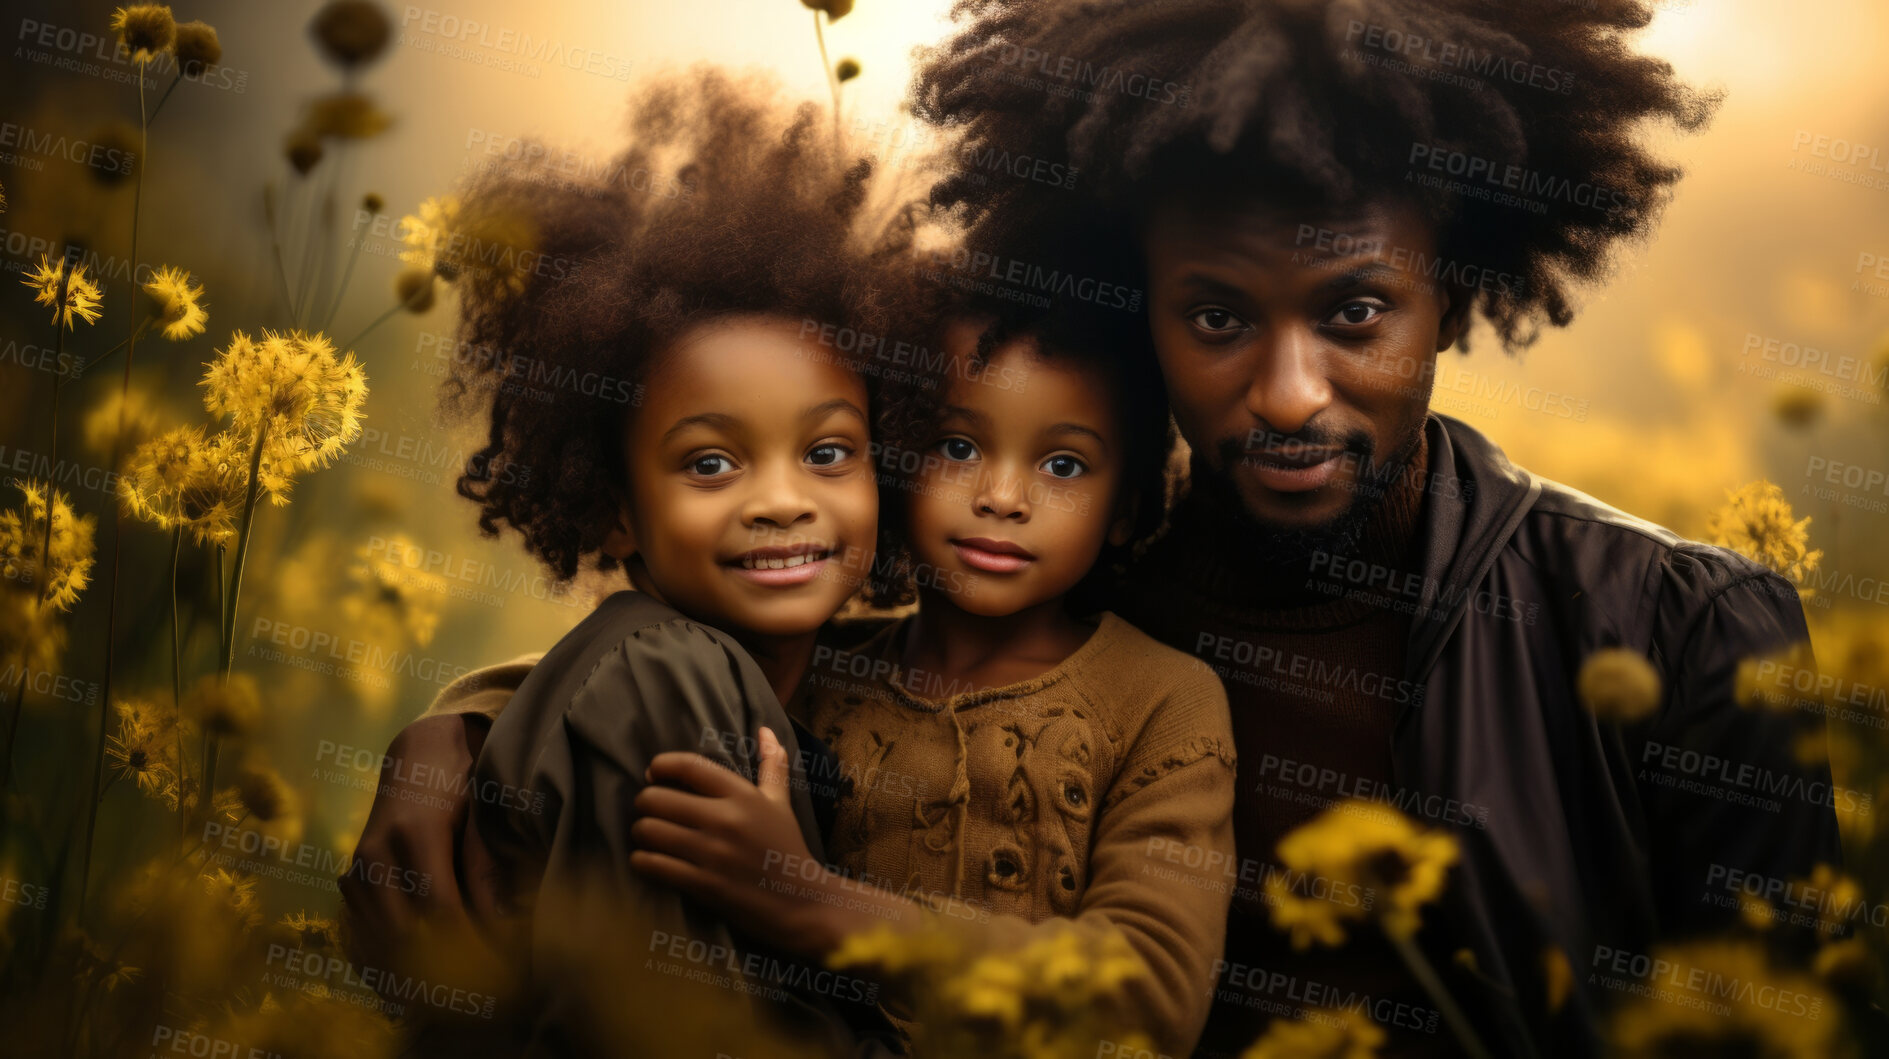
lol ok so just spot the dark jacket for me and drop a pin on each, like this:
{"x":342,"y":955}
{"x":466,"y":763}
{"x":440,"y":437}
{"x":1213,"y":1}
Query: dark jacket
{"x":1600,"y":838}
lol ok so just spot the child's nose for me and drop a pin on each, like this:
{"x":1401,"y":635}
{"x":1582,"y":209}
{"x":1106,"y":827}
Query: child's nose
{"x":1003,"y":495}
{"x":779,"y":498}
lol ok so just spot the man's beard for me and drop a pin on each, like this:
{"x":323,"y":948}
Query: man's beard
{"x":1277,"y":544}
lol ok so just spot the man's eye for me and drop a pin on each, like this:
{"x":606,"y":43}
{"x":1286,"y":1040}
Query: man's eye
{"x":710,"y":466}
{"x":827,"y":455}
{"x":1064,"y":466}
{"x":1355,"y":313}
{"x":1218,"y":321}
{"x":957,"y":449}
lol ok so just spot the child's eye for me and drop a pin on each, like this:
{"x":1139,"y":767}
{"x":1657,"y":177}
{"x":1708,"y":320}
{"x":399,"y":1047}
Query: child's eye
{"x":711,"y":465}
{"x":829,"y":454}
{"x":1064,"y":466}
{"x":1357,"y":313}
{"x":958,"y":449}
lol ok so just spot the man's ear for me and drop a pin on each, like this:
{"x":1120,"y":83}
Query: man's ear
{"x":620,"y":542}
{"x":1455,"y":319}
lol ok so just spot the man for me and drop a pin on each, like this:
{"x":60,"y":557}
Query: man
{"x":1311,"y":203}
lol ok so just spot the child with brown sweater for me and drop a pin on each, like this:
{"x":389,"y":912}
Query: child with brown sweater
{"x":1014,"y":755}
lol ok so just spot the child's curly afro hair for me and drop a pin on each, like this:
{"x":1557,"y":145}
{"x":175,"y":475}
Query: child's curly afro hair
{"x":1327,"y":103}
{"x":723,"y":202}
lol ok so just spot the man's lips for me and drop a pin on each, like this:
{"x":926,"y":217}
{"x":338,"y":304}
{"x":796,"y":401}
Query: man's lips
{"x":782,"y":567}
{"x":992,"y":556}
{"x":1296,"y":469}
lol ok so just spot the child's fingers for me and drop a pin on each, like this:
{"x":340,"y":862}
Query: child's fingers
{"x":665,"y":836}
{"x":773,"y":777}
{"x":697,"y":773}
{"x":680,"y":874}
{"x":689,"y":810}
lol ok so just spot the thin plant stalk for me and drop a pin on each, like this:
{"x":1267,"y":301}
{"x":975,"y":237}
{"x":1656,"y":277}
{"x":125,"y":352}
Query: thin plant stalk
{"x":275,"y":246}
{"x":228,"y":617}
{"x":1426,"y":976}
{"x":412,"y":300}
{"x":118,"y":444}
{"x":177,"y":669}
{"x":347,"y":276}
{"x":832,"y":81}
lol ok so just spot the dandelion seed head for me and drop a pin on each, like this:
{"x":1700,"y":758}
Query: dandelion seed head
{"x":351,"y":32}
{"x":82,"y":295}
{"x":144,"y":29}
{"x":197,"y":48}
{"x":1756,"y":523}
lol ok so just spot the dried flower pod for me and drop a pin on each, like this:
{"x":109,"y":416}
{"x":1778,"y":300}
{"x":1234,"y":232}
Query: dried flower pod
{"x":351,"y":32}
{"x":144,"y":30}
{"x":197,"y":48}
{"x":846,"y":69}
{"x":303,"y":149}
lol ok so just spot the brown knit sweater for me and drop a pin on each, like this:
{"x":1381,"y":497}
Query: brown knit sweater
{"x":1100,"y":791}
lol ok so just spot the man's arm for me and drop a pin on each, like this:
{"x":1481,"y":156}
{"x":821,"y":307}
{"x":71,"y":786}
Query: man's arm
{"x":416,"y":833}
{"x":1738,"y":795}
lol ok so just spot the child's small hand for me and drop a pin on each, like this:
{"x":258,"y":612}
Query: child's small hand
{"x":731,"y":844}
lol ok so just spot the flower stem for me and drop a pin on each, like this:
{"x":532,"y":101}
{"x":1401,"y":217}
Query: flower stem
{"x":275,"y":245}
{"x":177,"y":669}
{"x":167,"y":93}
{"x":118,"y":444}
{"x":1426,"y":976}
{"x":347,"y":276}
{"x":139,"y":333}
{"x":381,"y":319}
{"x":832,"y":81}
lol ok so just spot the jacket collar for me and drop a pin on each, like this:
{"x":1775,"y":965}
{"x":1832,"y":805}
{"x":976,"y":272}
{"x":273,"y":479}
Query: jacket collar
{"x":1476,"y":501}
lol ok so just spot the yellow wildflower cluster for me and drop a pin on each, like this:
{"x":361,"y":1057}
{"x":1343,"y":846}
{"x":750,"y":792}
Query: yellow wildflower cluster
{"x":292,"y":393}
{"x":1756,"y":523}
{"x":25,"y":551}
{"x":1364,"y":844}
{"x":1054,"y":997}
{"x":391,"y":601}
{"x":82,"y":295}
{"x":1325,"y":1033}
{"x":182,"y":479}
{"x":1754,"y":1008}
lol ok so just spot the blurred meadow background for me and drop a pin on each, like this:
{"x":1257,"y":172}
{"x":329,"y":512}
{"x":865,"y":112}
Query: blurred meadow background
{"x":1683,"y":379}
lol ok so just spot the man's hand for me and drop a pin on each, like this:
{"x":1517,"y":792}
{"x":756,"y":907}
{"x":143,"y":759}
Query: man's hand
{"x":736,"y":846}
{"x":418,"y":861}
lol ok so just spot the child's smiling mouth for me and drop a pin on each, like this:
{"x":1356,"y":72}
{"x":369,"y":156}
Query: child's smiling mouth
{"x":782,"y":567}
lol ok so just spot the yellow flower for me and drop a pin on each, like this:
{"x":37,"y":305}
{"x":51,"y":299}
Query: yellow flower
{"x":1840,"y":898}
{"x":237,"y":893}
{"x":145,"y":29}
{"x":1757,"y":524}
{"x":1767,"y":681}
{"x":346,"y":116}
{"x":82,"y":295}
{"x":1369,"y":845}
{"x":197,"y":48}
{"x":224,"y":707}
{"x":1327,"y":1033}
{"x":1618,"y":684}
{"x":180,"y":478}
{"x":311,"y":932}
{"x":178,"y":306}
{"x":1846,"y":963}
{"x":393,"y":591}
{"x":100,"y":427}
{"x":268,"y":800}
{"x":305,"y":401}
{"x":68,"y":563}
{"x":1724,"y":998}
{"x":144,"y":750}
{"x":448,"y":239}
